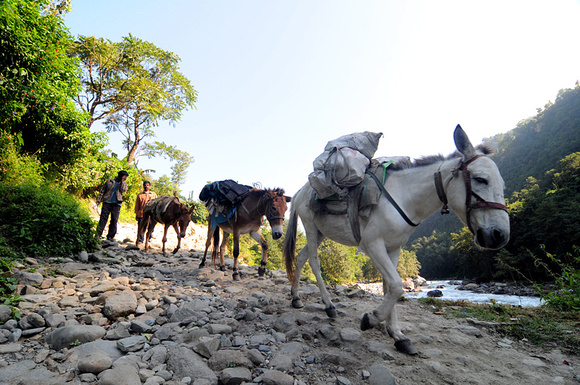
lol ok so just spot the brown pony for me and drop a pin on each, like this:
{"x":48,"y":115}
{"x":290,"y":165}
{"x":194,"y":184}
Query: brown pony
{"x":168,"y":211}
{"x":248,"y":218}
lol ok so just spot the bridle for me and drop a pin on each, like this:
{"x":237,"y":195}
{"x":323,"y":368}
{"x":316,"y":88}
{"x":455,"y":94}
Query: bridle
{"x":469,"y":206}
{"x":269,"y":209}
{"x":269,"y":203}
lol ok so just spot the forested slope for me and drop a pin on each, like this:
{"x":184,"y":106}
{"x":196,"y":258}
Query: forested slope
{"x":533,"y":148}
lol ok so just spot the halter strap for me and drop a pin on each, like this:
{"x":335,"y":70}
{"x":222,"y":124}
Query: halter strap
{"x":481,"y":203}
{"x":390,"y":199}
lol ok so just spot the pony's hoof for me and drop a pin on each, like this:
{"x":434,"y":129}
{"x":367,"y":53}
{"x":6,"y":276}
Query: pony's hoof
{"x":365,"y":323}
{"x":223,"y":268}
{"x":297,"y":303}
{"x":406,"y":346}
{"x":236,"y":276}
{"x":176,"y":250}
{"x":261,"y":271}
{"x":331,"y":312}
{"x":201,"y":265}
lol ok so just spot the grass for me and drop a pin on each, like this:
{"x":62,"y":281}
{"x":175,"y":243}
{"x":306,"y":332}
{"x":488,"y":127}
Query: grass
{"x":541,"y":326}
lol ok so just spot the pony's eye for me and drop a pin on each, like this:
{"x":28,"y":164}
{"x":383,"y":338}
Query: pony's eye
{"x":481,"y":180}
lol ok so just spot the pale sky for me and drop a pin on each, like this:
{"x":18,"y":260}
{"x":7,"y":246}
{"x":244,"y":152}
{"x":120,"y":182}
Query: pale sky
{"x":279,"y":79}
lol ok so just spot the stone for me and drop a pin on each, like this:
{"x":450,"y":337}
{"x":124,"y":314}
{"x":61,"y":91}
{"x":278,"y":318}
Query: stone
{"x":207,"y":346}
{"x":120,"y":305}
{"x":66,"y":336}
{"x":186,"y":363}
{"x":276,"y":377}
{"x":120,"y":375}
{"x":221,"y":359}
{"x":131,"y":344}
{"x":235,"y":376}
{"x":5,"y":313}
{"x":95,"y":362}
{"x":381,"y":375}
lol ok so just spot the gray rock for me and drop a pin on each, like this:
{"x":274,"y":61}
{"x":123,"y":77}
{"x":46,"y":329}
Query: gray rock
{"x":10,"y":348}
{"x":350,"y":335}
{"x":15,"y":335}
{"x":381,"y":375}
{"x":235,"y":376}
{"x":95,"y":362}
{"x":65,"y":336}
{"x":219,"y":329}
{"x":131,"y":344}
{"x":27,"y":278}
{"x":120,"y":375}
{"x":32,"y":320}
{"x":275,"y":377}
{"x":156,"y":356}
{"x":186,"y":363}
{"x":120,"y":305}
{"x":121,"y":331}
{"x":28,"y":372}
{"x":167,"y":331}
{"x":281,"y":362}
{"x":207,"y":346}
{"x":54,"y":320}
{"x":222,"y":358}
{"x":435,"y":293}
{"x":83,"y":256}
{"x":5,"y":313}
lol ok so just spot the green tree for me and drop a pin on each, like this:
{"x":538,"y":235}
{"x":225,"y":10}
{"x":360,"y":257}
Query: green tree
{"x":37,"y":83}
{"x":132,"y":85}
{"x":181,"y":160}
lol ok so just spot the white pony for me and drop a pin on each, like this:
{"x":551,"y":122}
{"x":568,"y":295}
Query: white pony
{"x":468,"y":181}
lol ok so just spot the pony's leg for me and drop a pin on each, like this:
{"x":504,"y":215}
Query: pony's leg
{"x":236,"y":274}
{"x":257,"y":235}
{"x":315,"y":265}
{"x":393,"y":289}
{"x":149,"y":226}
{"x":207,"y":244}
{"x":222,"y":253}
{"x":176,"y":228}
{"x":164,"y":237}
{"x":314,"y":239}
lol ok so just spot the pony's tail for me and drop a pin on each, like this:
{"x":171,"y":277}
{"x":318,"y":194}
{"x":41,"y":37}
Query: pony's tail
{"x":216,"y":245}
{"x":290,"y":244}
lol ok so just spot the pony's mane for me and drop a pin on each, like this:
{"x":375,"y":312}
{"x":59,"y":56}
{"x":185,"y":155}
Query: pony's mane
{"x":428,"y":160}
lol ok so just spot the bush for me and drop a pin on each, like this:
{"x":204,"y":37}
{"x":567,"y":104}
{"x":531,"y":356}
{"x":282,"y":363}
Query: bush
{"x":43,"y":222}
{"x":16,"y":168}
{"x":566,"y":297}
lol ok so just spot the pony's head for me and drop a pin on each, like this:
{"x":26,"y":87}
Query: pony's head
{"x":475,"y":194}
{"x":184,"y":219}
{"x":276,"y":209}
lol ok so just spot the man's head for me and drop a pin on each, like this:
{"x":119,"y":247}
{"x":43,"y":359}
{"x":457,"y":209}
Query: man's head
{"x":122,"y":176}
{"x":146,"y":185}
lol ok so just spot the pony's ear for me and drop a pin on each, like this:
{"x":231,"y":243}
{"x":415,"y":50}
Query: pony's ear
{"x":288,"y":199}
{"x":190,"y":210}
{"x":463,"y":143}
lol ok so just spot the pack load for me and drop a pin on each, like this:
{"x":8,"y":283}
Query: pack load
{"x":226,"y":192}
{"x":222,"y":198}
{"x":343,"y":163}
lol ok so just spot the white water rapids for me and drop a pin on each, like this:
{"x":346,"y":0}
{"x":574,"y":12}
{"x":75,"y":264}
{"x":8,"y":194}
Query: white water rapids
{"x":450,"y":293}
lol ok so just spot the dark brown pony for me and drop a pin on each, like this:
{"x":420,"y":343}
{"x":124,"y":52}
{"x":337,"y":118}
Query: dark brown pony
{"x":248,"y":218}
{"x":168,"y":211}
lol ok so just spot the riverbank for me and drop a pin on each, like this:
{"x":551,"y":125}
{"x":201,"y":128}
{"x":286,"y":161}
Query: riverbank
{"x":128,"y":317}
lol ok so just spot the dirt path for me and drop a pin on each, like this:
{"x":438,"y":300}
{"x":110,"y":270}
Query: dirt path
{"x":451,"y":351}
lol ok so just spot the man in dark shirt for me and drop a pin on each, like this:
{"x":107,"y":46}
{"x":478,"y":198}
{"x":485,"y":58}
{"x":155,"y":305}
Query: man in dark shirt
{"x":111,"y":195}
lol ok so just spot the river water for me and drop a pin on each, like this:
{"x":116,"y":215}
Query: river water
{"x":450,"y":293}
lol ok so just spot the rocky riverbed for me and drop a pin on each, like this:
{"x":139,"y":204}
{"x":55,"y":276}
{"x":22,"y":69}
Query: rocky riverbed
{"x":123,"y":316}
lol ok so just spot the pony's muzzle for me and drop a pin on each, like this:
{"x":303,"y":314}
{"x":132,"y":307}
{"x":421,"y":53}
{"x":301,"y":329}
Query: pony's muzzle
{"x":277,"y":232}
{"x":491,"y":238}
